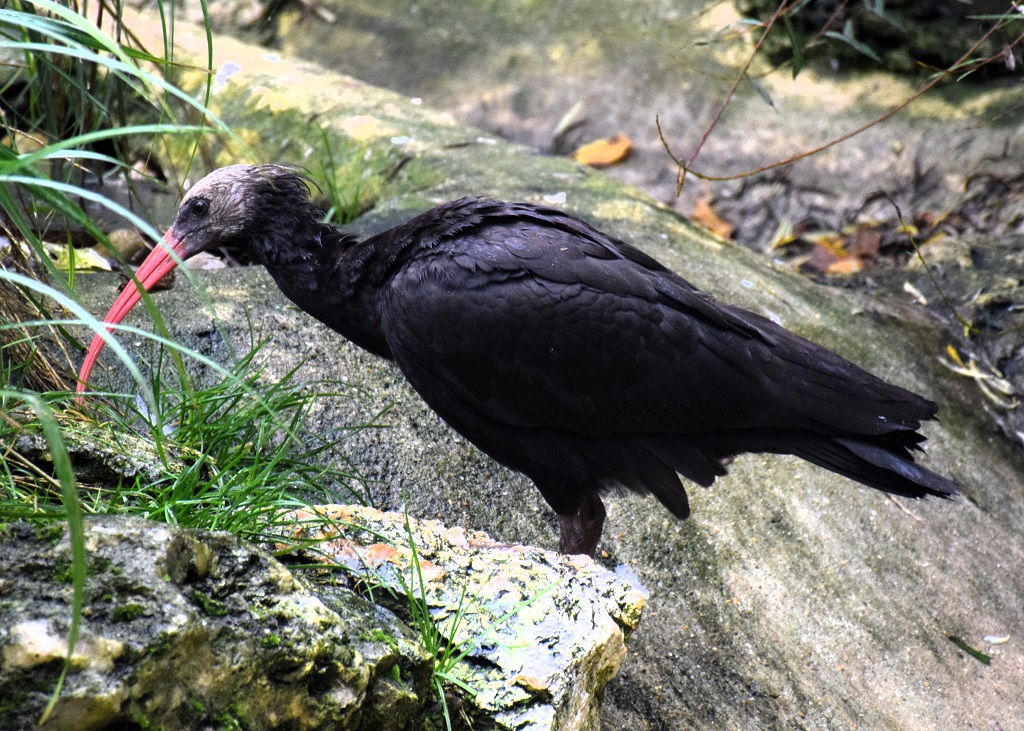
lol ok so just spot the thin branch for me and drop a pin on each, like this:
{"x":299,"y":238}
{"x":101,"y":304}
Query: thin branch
{"x":683,"y":168}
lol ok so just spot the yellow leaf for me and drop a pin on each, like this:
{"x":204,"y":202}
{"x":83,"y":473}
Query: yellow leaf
{"x":86,"y":260}
{"x":607,"y":151}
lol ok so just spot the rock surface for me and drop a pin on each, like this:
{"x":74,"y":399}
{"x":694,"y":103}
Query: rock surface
{"x":539,"y":634}
{"x":792,"y":598}
{"x":181,"y":629}
{"x":186,"y":629}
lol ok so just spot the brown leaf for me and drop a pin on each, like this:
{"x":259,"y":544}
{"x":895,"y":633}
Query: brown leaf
{"x":607,"y":151}
{"x":847,"y":253}
{"x":705,"y":215}
{"x":866,"y":241}
{"x":828,"y":251}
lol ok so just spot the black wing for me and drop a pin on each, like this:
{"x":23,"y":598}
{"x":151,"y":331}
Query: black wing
{"x":537,"y":320}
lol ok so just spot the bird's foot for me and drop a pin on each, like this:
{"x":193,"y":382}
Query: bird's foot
{"x":580,"y":531}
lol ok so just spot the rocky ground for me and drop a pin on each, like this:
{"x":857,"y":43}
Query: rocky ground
{"x":790,"y":599}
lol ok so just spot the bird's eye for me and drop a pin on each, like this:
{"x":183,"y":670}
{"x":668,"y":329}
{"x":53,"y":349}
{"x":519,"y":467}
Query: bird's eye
{"x":200,"y":207}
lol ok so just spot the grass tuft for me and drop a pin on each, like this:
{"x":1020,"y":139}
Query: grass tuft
{"x":232,"y":456}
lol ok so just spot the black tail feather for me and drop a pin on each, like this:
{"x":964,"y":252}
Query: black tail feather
{"x":902,"y":476}
{"x":884,"y":462}
{"x":886,"y":465}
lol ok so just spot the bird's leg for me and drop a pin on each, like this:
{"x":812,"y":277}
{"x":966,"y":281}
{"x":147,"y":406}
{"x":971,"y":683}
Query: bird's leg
{"x":580,"y":531}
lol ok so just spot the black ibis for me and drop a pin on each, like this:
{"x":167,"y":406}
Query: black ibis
{"x":561,"y":352}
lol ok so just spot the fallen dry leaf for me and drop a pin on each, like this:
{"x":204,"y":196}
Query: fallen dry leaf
{"x":846,"y":253}
{"x":705,"y":215}
{"x":607,"y":151}
{"x":867,"y":240}
{"x":850,"y":265}
{"x":84,"y":260}
{"x":828,"y":252}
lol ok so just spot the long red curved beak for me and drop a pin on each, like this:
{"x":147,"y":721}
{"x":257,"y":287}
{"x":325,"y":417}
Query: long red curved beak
{"x":152,"y":270}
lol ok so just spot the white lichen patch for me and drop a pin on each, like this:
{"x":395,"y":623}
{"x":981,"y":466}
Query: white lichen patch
{"x":34,"y":642}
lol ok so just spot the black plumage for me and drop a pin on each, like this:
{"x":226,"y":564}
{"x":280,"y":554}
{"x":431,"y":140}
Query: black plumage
{"x":563,"y":353}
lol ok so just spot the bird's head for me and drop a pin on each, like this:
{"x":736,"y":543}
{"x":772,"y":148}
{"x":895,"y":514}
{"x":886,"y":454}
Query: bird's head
{"x":237,"y":205}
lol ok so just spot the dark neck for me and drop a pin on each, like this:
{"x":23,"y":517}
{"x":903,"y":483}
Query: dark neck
{"x":325,"y":271}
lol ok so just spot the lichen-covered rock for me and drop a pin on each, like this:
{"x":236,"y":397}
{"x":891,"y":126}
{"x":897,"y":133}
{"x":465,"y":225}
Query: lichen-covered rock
{"x":539,"y":633}
{"x":181,"y":629}
{"x":100,"y":454}
{"x":186,"y":629}
{"x":400,"y":667}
